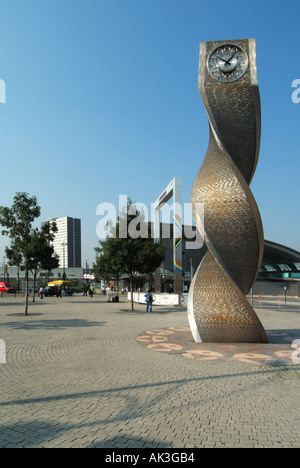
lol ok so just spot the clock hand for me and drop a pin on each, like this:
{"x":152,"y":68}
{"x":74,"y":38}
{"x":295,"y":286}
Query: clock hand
{"x":228,"y":61}
{"x":221,"y":58}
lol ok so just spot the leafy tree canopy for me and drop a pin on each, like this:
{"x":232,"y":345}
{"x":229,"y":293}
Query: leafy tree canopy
{"x":129,"y":255}
{"x":30,"y":247}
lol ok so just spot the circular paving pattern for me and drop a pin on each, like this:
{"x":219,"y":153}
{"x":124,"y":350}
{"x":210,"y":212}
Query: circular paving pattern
{"x":283,"y":347}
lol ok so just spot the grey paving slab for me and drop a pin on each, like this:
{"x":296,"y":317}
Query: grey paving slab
{"x":76,"y":376}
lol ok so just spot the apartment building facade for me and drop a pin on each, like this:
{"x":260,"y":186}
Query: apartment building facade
{"x":67,"y":242}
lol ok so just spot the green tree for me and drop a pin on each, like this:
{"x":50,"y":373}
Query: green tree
{"x":106,"y":267}
{"x":41,"y":253}
{"x":18,"y":222}
{"x":135,"y":254}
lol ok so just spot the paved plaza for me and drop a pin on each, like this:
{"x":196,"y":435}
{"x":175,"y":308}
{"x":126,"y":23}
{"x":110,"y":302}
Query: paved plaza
{"x":83,"y":373}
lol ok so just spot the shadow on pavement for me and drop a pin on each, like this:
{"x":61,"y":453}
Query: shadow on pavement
{"x":51,"y":324}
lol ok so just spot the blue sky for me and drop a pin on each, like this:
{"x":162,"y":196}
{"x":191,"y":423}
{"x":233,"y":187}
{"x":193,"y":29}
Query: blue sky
{"x":102,"y":99}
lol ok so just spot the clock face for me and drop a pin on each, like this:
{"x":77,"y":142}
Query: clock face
{"x":227,"y":63}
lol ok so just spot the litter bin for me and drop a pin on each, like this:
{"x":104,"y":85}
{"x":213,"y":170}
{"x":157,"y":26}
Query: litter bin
{"x":116,"y":298}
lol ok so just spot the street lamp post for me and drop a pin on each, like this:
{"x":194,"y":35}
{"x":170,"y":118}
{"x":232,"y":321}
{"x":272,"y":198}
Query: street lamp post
{"x":64,"y":268}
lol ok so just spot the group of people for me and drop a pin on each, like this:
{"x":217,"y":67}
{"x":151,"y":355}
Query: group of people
{"x":57,"y":291}
{"x":88,"y":288}
{"x":64,"y":291}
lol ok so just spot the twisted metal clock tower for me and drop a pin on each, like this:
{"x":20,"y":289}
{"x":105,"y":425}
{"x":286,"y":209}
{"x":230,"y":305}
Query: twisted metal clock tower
{"x":218,"y":309}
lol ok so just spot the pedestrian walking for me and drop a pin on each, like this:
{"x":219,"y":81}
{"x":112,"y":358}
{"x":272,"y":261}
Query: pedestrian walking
{"x":41,"y":292}
{"x":149,"y":300}
{"x":108,"y":294}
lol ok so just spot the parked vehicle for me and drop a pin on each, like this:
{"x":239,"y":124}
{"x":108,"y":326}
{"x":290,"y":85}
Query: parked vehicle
{"x":50,"y":291}
{"x":6,"y":288}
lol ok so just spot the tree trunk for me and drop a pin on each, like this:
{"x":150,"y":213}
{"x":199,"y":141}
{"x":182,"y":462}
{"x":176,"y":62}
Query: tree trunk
{"x":26,"y":292}
{"x":33,"y":294}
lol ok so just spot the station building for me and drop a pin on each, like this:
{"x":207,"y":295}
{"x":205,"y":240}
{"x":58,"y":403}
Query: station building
{"x":279,"y":273}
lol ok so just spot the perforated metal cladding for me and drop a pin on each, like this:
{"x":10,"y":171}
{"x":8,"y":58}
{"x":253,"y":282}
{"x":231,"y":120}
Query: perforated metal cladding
{"x":233,"y":229}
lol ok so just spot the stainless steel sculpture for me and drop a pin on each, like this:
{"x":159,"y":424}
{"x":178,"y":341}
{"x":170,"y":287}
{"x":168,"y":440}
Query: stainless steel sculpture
{"x":218,"y":309}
